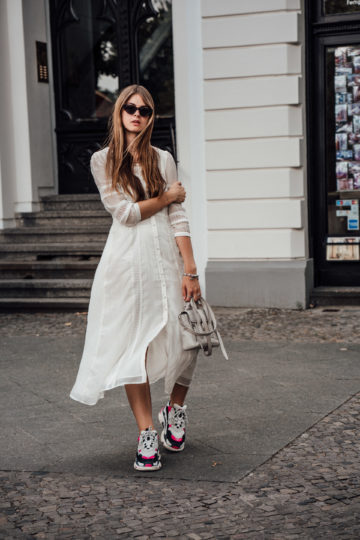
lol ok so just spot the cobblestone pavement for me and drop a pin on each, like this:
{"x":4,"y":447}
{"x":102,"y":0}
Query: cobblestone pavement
{"x":308,"y":490}
{"x":331,"y":324}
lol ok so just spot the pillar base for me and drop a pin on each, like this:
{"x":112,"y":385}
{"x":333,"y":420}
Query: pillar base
{"x":279,"y":284}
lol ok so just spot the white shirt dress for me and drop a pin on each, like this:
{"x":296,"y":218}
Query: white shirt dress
{"x":136,"y":295}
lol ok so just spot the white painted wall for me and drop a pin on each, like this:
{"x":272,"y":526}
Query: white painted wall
{"x":212,"y":8}
{"x":254,"y":129}
{"x":254,"y":29}
{"x":41,"y":124}
{"x":257,"y":244}
{"x":189,"y":110}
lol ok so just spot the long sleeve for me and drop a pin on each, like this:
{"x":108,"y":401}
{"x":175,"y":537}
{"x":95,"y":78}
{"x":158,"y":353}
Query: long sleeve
{"x":116,"y":203}
{"x":177,"y":215}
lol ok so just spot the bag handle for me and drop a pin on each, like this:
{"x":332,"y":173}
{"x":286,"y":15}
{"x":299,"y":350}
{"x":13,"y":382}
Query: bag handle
{"x":208,"y":308}
{"x":203,"y":322}
{"x":206,"y":322}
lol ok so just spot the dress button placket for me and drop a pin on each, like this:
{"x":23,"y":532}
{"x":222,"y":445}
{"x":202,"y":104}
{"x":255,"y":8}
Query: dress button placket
{"x":160,"y":266}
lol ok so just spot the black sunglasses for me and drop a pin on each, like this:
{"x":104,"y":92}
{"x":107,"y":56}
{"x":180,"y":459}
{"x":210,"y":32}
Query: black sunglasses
{"x":144,"y":110}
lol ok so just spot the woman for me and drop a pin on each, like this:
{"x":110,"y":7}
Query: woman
{"x":145,"y":273}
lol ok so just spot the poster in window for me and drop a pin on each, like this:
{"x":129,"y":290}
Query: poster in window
{"x":347,"y":117}
{"x":343,"y":249}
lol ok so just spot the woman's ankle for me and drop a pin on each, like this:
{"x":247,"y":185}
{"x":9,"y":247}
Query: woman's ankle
{"x":144,"y":427}
{"x":178,"y":402}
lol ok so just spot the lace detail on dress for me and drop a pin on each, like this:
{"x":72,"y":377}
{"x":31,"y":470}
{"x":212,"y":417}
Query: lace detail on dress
{"x":177,"y":215}
{"x":117,"y":203}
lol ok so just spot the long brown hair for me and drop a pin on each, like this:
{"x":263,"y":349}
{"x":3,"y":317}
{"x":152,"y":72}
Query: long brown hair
{"x":119,"y":162}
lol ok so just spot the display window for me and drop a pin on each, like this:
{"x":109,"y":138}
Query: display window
{"x":333,"y":139}
{"x":343,"y":135}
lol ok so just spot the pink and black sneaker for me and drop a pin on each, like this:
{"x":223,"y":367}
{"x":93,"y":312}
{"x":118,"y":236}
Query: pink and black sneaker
{"x":173,"y":419}
{"x":148,"y":455}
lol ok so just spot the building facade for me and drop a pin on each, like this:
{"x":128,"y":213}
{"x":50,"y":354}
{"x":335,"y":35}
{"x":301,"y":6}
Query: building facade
{"x":263,"y":127}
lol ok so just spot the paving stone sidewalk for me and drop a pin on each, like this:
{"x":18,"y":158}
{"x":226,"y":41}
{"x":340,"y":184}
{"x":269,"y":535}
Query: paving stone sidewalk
{"x":310,"y":489}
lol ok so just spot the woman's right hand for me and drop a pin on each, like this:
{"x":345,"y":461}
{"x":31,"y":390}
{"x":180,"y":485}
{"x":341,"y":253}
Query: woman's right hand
{"x":176,"y":193}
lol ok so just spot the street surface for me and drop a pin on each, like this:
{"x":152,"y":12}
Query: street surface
{"x":273,"y":438}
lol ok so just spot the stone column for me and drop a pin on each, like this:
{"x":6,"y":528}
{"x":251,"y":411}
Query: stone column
{"x":15,"y":162}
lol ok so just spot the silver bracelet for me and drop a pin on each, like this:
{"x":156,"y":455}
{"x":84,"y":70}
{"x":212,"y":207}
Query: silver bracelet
{"x":192,"y":276}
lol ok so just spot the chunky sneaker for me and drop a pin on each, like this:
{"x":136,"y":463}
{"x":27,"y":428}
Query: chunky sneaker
{"x":173,"y":420}
{"x":148,"y":455}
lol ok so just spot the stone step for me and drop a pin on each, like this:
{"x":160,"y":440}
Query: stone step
{"x":43,"y":304}
{"x":55,"y":218}
{"x":48,"y":269}
{"x":72,"y":202}
{"x":48,"y":261}
{"x":86,"y":233}
{"x":335,"y":296}
{"x":49,"y":252}
{"x":45,"y":288}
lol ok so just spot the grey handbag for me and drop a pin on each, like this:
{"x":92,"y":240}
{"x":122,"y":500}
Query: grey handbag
{"x":199,"y":330}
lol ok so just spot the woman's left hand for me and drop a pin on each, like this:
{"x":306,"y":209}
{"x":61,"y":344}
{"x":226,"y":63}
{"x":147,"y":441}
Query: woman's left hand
{"x":190,"y":288}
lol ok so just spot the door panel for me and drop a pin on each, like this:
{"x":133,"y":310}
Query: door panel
{"x":99,"y":47}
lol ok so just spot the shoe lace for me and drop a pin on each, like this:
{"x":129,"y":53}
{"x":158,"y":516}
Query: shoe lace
{"x":179,"y":417}
{"x":148,"y":435}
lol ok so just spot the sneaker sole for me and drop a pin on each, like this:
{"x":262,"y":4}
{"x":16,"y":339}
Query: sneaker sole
{"x":146,"y":469}
{"x":167,"y":446}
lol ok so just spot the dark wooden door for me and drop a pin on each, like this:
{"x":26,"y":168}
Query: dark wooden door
{"x":98,"y":48}
{"x":333,"y":137}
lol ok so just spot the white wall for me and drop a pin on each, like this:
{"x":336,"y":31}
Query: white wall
{"x":42,"y":148}
{"x":253,"y":129}
{"x":189,"y":110}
